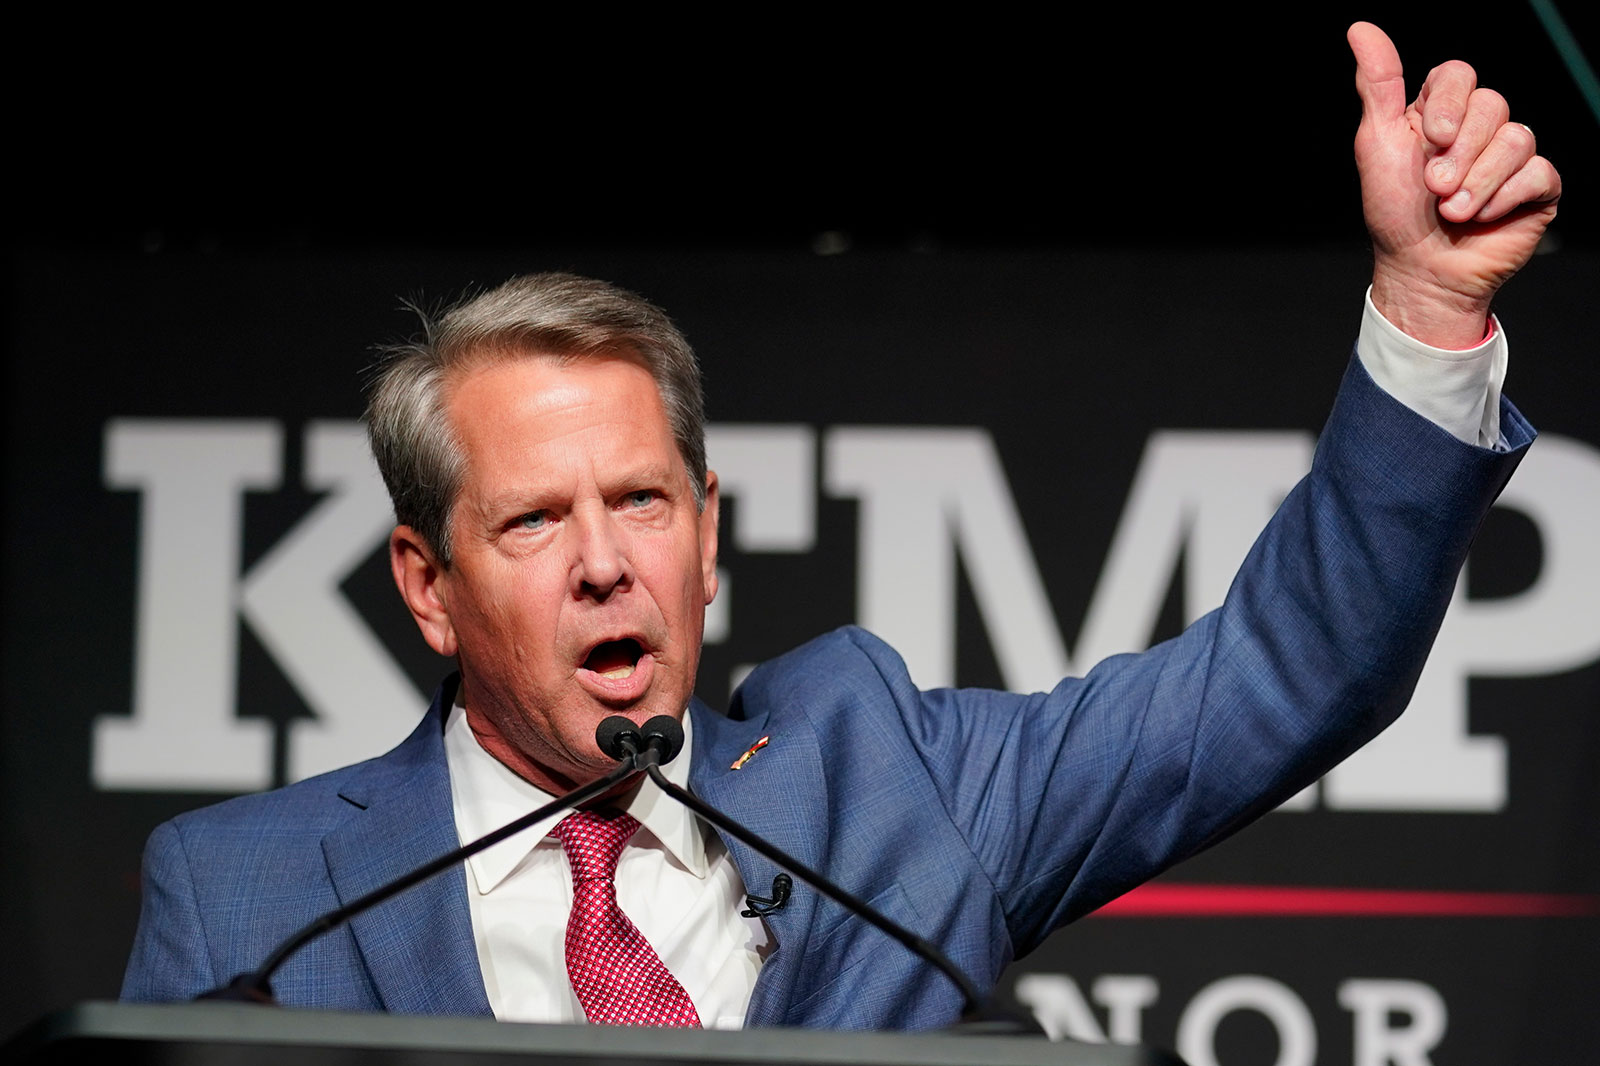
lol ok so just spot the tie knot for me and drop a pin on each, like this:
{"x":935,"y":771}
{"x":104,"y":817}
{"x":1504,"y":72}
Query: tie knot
{"x":593,"y":840}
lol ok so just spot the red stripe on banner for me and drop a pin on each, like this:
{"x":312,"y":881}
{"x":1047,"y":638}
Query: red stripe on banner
{"x":1195,"y":901}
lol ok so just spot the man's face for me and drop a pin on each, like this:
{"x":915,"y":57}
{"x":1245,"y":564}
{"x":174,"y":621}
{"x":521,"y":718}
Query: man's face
{"x":582,"y":566}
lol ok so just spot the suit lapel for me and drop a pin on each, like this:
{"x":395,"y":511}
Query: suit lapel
{"x":418,"y":946}
{"x":776,"y":794}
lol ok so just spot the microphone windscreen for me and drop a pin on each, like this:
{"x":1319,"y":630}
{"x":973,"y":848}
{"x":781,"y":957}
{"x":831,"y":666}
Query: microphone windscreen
{"x":669,"y":731}
{"x":610,"y":732}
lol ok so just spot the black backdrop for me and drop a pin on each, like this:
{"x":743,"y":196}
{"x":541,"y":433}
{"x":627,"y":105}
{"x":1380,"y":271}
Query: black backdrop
{"x":901,"y":243}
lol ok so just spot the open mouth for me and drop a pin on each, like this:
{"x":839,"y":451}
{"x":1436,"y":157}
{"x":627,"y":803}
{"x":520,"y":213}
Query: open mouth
{"x":615,"y":658}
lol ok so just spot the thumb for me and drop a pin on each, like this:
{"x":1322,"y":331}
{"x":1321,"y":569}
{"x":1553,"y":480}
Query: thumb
{"x":1380,"y":80}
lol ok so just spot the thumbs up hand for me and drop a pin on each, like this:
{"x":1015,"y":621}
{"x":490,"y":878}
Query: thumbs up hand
{"x":1454,"y":195}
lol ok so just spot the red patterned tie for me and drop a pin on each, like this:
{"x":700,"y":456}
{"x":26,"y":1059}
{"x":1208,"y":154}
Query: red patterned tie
{"x":617,"y":975}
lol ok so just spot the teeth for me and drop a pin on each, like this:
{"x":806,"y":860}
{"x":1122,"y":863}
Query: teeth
{"x":618,"y":671}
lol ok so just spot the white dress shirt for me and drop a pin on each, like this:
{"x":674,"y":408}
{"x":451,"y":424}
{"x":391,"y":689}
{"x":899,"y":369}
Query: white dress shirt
{"x":1458,"y":391}
{"x":675,"y":880}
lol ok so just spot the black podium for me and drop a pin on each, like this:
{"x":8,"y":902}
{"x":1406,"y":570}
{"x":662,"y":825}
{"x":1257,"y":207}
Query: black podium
{"x":213,"y":1034}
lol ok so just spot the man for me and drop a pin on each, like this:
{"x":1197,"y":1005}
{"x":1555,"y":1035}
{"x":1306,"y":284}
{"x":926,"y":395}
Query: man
{"x":558,"y":537}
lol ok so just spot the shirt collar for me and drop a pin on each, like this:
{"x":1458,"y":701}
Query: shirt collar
{"x":486,"y":794}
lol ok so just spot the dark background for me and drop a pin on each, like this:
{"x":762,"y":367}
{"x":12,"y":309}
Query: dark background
{"x":1103,"y":124}
{"x":839,"y":210}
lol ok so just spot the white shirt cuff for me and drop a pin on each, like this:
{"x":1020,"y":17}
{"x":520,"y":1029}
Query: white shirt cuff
{"x":1457,"y":391}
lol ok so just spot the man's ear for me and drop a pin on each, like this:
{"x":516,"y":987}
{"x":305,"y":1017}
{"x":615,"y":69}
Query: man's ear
{"x":708,"y":538}
{"x":421,"y":581}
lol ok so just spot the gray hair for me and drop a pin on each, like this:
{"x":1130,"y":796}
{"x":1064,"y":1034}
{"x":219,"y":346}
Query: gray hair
{"x":561,"y":316}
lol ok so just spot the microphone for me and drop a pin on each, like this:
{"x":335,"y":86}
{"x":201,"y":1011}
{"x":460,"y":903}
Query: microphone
{"x":655,"y":743}
{"x":609,"y":737}
{"x":624,"y":742}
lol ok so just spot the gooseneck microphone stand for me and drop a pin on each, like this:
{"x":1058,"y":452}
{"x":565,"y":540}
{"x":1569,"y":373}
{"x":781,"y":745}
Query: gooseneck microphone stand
{"x":641,"y":749}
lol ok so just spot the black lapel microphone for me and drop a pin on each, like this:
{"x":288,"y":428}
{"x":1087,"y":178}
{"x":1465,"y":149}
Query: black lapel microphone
{"x":256,"y":987}
{"x":761,"y":906}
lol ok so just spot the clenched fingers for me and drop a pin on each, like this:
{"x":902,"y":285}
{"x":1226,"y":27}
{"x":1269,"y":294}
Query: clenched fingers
{"x":1508,"y":151}
{"x":1486,"y":112}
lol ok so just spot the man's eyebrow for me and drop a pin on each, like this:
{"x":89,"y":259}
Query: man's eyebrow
{"x":652,"y":473}
{"x":532,"y":496}
{"x":521,"y":499}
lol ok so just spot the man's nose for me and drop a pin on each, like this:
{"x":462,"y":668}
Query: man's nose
{"x":600,"y":565}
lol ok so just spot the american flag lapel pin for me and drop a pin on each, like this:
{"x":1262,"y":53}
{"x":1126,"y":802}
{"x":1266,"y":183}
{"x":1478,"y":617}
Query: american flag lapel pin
{"x":738,"y":764}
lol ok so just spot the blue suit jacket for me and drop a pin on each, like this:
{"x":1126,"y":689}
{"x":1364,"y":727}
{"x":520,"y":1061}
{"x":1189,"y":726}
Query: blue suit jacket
{"x":982,"y":820}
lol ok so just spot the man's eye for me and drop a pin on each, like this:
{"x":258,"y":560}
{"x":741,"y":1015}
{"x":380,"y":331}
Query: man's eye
{"x":641,"y":498}
{"x":534,"y":520}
